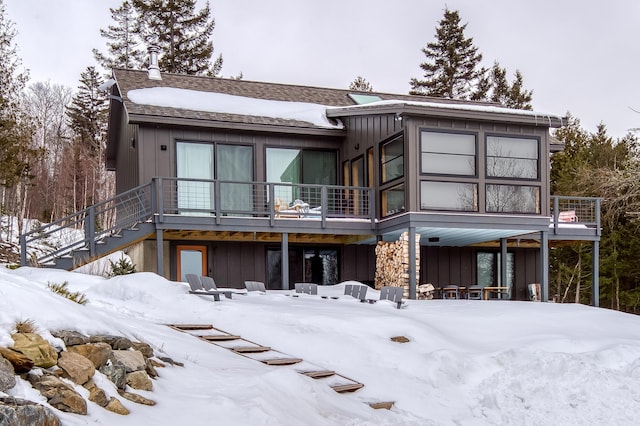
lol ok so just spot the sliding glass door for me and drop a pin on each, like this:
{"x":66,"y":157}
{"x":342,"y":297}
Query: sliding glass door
{"x":194,"y":161}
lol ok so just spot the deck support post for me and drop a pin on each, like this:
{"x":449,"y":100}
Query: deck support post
{"x":160,"y":253}
{"x":544,"y":265}
{"x":284,"y":263}
{"x":503,"y":264}
{"x":595,"y":279}
{"x":412,"y":262}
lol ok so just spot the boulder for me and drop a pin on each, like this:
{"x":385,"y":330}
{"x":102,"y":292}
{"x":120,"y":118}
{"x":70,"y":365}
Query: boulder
{"x":97,"y":353}
{"x":145,"y":348}
{"x":150,"y":369}
{"x":78,"y":368}
{"x":21,"y":364}
{"x":170,"y":361}
{"x":138,"y":399}
{"x":7,"y":375}
{"x":59,"y":394}
{"x":116,"y":406}
{"x":70,"y":337}
{"x":16,"y":411}
{"x":116,"y":342}
{"x":139,"y":380}
{"x":116,"y":373}
{"x":132,"y":360}
{"x":155,"y":363}
{"x":96,"y":395}
{"x":36,"y":348}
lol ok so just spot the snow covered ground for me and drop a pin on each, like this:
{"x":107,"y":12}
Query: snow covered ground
{"x":467,"y":362}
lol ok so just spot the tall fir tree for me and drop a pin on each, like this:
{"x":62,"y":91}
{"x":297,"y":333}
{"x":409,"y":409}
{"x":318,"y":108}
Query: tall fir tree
{"x":123,"y":43}
{"x":451,"y":69}
{"x":88,"y":111}
{"x":182,"y":34}
{"x":493,"y":86}
{"x":361,"y":84}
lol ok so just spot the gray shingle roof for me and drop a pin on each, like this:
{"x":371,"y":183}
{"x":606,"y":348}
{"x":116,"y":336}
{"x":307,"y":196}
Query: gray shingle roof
{"x":132,"y":79}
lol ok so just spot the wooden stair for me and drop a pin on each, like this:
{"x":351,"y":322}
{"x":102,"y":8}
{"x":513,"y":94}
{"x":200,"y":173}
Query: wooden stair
{"x":219,"y":337}
{"x":250,"y":349}
{"x":318,"y":374}
{"x":343,"y":385}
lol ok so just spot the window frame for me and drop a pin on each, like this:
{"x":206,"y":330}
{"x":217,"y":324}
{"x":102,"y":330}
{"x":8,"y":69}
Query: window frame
{"x":476,"y":146}
{"x":474,"y":184}
{"x":401,"y":138}
{"x":537,"y":200}
{"x":512,"y":136}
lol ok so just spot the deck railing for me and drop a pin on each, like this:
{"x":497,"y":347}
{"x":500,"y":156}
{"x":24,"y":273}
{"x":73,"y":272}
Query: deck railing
{"x":584,"y":211}
{"x":219,"y":199}
{"x":85,"y":228}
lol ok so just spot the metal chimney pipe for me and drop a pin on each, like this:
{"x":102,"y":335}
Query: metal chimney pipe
{"x":154,"y":69}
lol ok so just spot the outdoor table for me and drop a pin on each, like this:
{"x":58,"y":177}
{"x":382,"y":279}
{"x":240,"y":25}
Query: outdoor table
{"x":495,"y":289}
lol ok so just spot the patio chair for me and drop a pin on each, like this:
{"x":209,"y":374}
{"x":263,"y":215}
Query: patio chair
{"x":393,"y":294}
{"x":255,"y":286}
{"x":357,"y":291}
{"x":196,"y":287}
{"x":474,"y":292}
{"x":307,"y":288}
{"x":534,"y":292}
{"x":451,"y":291}
{"x":209,"y":284}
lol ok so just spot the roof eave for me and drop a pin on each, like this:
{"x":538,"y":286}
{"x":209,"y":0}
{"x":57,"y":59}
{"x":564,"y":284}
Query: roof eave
{"x":229,"y":125}
{"x":462,"y":114}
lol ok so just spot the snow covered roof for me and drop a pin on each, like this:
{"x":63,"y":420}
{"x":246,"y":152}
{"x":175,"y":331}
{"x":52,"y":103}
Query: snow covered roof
{"x":302,"y":109}
{"x":231,"y":104}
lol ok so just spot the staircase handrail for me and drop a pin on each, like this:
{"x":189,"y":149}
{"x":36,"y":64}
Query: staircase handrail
{"x":128,"y":208}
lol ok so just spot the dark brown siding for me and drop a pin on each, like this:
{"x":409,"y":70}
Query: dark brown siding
{"x":154,"y":161}
{"x":358,"y":263}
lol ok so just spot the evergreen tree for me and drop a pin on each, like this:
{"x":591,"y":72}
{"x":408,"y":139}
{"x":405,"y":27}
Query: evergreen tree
{"x":123,"y":42}
{"x":451,"y":69}
{"x":14,"y":127}
{"x":361,"y":84}
{"x":182,"y":35}
{"x":88,"y":111}
{"x":493,"y":86}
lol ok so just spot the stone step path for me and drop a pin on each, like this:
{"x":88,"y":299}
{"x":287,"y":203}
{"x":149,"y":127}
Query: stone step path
{"x":270,"y":356}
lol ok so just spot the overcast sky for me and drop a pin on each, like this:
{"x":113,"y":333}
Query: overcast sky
{"x":577,"y":56}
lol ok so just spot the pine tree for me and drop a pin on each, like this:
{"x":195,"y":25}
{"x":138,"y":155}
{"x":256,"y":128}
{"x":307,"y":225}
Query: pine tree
{"x":452,"y":63}
{"x":182,"y":35}
{"x":493,"y":86}
{"x":123,"y":42}
{"x":361,"y":84}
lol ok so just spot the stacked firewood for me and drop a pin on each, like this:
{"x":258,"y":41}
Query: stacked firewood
{"x":392,"y":263}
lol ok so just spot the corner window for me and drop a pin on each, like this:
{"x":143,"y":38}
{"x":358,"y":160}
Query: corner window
{"x":448,"y":196}
{"x":512,"y":157}
{"x":392,"y":200}
{"x":513,"y":199}
{"x":392,"y":159}
{"x":448,"y":153}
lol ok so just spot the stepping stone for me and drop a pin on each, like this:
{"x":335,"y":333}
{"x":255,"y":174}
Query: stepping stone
{"x":250,"y":349}
{"x":282,"y":361}
{"x":318,"y":374}
{"x":349,"y":387}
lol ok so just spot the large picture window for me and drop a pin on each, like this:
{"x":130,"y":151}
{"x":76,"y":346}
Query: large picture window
{"x":392,"y":159}
{"x":448,"y":153}
{"x":488,"y":267}
{"x":195,"y":160}
{"x":513,"y":199}
{"x":512,"y":157}
{"x":448,"y":196}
